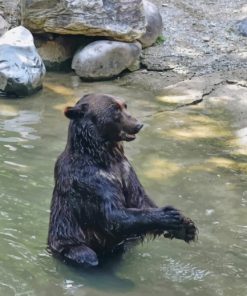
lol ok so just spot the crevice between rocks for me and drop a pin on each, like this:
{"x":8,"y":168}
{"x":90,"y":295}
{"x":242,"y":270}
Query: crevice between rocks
{"x":204,"y":94}
{"x":239,"y":83}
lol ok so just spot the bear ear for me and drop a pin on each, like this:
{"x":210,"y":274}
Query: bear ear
{"x":75,"y":112}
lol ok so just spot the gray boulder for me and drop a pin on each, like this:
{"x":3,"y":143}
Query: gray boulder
{"x":121,"y":20}
{"x":21,"y":68}
{"x":11,"y":11}
{"x":105,"y":59}
{"x":154,"y":25}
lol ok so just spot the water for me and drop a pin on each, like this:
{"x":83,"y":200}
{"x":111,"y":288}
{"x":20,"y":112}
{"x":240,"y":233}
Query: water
{"x":190,"y":158}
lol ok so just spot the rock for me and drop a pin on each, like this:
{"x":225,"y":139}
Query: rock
{"x":55,"y":52}
{"x":11,"y":11}
{"x":3,"y":26}
{"x":206,"y":38}
{"x":155,"y":59}
{"x":21,"y":68}
{"x":121,"y":20}
{"x":135,"y":66}
{"x":242,"y":27}
{"x":105,"y":59}
{"x":154,"y":24}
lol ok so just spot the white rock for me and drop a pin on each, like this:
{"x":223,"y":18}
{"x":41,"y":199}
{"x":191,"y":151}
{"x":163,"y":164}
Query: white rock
{"x":21,"y":68}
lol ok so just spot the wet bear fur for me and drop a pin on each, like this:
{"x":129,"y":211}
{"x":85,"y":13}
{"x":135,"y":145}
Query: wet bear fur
{"x":98,"y":204}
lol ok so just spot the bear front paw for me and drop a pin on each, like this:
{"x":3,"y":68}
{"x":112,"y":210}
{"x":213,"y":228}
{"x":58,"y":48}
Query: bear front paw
{"x":187,"y":231}
{"x":181,"y":227}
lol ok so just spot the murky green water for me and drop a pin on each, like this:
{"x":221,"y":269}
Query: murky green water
{"x":189,"y":158}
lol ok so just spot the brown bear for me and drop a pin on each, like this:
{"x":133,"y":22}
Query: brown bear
{"x":98,"y":204}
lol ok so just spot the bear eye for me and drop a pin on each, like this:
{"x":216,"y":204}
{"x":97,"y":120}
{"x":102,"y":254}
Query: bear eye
{"x":117,"y":107}
{"x":125,"y":105}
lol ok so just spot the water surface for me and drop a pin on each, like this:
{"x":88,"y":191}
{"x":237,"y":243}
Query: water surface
{"x":188,"y":157}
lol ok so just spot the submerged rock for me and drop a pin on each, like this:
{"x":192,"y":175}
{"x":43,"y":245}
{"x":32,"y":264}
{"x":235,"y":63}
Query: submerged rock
{"x":154,"y":25}
{"x":105,"y":59}
{"x":122,"y":20}
{"x":21,"y":68}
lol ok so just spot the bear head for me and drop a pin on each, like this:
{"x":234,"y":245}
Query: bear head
{"x":107,"y":114}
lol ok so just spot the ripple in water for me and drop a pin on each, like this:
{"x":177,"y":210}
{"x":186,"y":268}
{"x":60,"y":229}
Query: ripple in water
{"x":18,"y":124}
{"x":177,"y":271}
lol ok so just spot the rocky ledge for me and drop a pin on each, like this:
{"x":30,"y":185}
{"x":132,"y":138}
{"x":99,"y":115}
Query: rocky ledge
{"x":102,"y":38}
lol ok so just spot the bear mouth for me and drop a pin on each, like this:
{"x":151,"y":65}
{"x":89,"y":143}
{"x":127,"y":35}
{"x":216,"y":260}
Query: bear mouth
{"x":127,"y":137}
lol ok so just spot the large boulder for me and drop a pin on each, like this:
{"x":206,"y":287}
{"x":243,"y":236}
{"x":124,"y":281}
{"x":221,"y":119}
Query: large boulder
{"x":11,"y":11}
{"x":105,"y":59}
{"x":21,"y":68}
{"x":154,"y":25}
{"x":122,"y":20}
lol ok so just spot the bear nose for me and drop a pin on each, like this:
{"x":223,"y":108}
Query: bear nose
{"x":139,"y":126}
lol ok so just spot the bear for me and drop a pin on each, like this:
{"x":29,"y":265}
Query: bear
{"x":98,"y":205}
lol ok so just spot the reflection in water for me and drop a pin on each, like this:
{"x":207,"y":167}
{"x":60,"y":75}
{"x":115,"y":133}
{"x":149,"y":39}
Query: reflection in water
{"x":189,"y":157}
{"x":20,"y":124}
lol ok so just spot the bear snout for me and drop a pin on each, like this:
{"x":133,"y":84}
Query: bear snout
{"x":133,"y":127}
{"x":139,"y":126}
{"x":128,"y":133}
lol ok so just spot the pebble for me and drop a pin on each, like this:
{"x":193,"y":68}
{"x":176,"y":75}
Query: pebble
{"x":242,"y":27}
{"x":206,"y":38}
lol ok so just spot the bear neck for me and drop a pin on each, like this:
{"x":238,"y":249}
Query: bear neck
{"x":85,"y":142}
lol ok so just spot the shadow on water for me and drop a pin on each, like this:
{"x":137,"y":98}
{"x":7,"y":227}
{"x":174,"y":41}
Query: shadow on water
{"x":103,"y":278}
{"x":67,"y":279}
